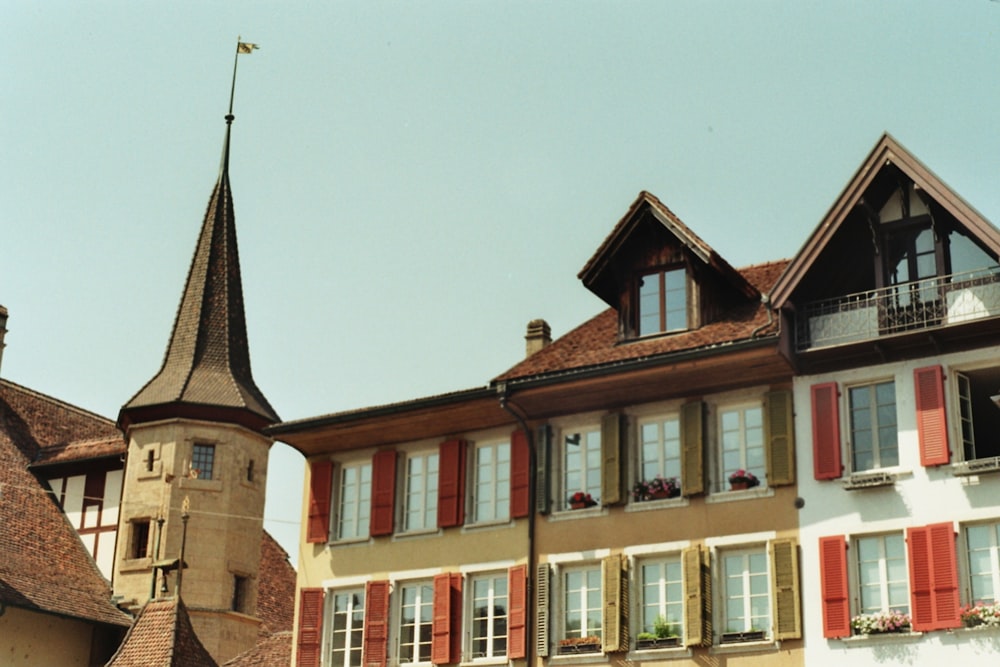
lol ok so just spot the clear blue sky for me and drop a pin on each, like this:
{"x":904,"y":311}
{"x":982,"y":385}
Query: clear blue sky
{"x":415,"y":181}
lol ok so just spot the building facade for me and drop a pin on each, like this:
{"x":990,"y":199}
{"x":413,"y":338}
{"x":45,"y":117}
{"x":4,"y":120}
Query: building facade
{"x":898,"y":376}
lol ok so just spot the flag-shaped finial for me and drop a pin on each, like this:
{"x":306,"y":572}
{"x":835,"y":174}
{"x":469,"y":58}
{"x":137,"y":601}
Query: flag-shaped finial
{"x":245,"y":47}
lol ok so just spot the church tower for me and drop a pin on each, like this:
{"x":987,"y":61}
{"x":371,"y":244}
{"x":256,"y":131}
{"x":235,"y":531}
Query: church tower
{"x":195,"y":440}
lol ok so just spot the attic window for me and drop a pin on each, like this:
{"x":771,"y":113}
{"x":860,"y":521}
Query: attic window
{"x":663,"y":302}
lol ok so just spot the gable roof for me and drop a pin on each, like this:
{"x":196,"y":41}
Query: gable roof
{"x":275,"y":587}
{"x":886,"y":151}
{"x":162,"y":636}
{"x":595,"y":343}
{"x":44,"y":566}
{"x":206,"y":369}
{"x":594,"y":272}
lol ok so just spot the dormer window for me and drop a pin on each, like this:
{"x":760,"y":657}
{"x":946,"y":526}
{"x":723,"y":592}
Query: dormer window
{"x":663,"y":301}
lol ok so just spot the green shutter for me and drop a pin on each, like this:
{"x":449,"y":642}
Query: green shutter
{"x":785,"y":589}
{"x":611,"y":455}
{"x":543,"y":472}
{"x":779,"y":433}
{"x":542,"y":610}
{"x":692,"y":449}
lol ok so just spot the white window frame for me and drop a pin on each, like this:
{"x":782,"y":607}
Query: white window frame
{"x":746,"y":595}
{"x":745,"y":449}
{"x":590,"y":439}
{"x":588,"y":569}
{"x":491,"y":598}
{"x":992,"y":554}
{"x":662,"y":604}
{"x":420,"y":492}
{"x":666,"y":450}
{"x":490,"y":491}
{"x":361,"y":498}
{"x":350,"y":630}
{"x":424,"y":601}
{"x":882,"y":562}
{"x":878,"y":450}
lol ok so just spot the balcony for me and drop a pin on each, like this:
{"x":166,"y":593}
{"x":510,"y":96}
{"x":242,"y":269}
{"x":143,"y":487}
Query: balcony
{"x":932,"y":303}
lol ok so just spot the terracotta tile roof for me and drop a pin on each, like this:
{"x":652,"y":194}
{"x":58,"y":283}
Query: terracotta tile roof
{"x":162,"y":636}
{"x":276,"y":590}
{"x":207,"y":362}
{"x":595,"y":342}
{"x":33,"y":420}
{"x":84,"y":450}
{"x":43,"y":565}
{"x":274,"y":651}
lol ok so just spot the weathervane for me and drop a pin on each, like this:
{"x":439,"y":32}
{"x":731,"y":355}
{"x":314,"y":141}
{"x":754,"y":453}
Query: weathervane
{"x":241,"y":47}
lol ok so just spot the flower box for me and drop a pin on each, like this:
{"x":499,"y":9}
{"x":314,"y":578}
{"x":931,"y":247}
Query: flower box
{"x":572,"y":645}
{"x":657,"y":642}
{"x":658,"y":488}
{"x":745,"y":636}
{"x":580,"y":500}
{"x":743,"y":479}
{"x":884,"y":622}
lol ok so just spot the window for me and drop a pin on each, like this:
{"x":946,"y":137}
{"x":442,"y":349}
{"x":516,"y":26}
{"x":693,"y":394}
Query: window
{"x":663,"y":302}
{"x":347,"y":617}
{"x":660,"y":446}
{"x":491,"y":501}
{"x":241,"y":593}
{"x":581,"y":462}
{"x":250,"y":470}
{"x":873,"y":426}
{"x":489,"y":616}
{"x":416,"y":612}
{"x":882,"y":574}
{"x":746,"y":595}
{"x":662,"y":597}
{"x":741,"y":439}
{"x":978,"y":415}
{"x":582,"y":606}
{"x":139,"y":544}
{"x":420,"y":510}
{"x":983,"y":545}
{"x":354,"y":501}
{"x":202,"y":461}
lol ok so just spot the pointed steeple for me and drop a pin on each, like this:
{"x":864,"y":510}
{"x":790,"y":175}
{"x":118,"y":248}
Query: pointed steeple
{"x":206,"y":369}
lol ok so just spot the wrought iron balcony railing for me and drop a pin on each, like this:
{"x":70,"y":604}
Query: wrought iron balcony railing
{"x":922,"y":304}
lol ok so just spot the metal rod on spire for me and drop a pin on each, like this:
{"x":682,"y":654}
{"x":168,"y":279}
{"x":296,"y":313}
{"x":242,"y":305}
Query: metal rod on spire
{"x":241,"y":47}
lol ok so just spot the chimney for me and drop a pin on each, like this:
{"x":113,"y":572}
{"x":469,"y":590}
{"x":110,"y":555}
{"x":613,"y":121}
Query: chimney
{"x":3,"y":331}
{"x":538,"y":337}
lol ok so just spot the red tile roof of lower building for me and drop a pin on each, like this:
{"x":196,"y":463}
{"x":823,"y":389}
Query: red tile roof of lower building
{"x":273,"y":651}
{"x":596,"y":343}
{"x":162,"y":636}
{"x":276,"y":590}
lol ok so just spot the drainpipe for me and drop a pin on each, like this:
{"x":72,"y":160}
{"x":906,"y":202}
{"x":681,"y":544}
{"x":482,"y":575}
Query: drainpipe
{"x":766,"y":300}
{"x":529,"y":622}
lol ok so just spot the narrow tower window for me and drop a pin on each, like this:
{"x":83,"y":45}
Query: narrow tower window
{"x":202,"y":461}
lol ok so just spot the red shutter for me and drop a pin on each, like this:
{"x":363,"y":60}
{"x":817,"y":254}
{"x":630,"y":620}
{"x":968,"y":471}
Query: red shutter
{"x":833,"y":582}
{"x":933,"y":577}
{"x":447,"y":623}
{"x":320,"y":487}
{"x":376,"y":624}
{"x":307,"y":653}
{"x":826,"y":431}
{"x":932,"y":424}
{"x":520,"y":475}
{"x":517,"y":612}
{"x":383,"y":492}
{"x":451,"y":483}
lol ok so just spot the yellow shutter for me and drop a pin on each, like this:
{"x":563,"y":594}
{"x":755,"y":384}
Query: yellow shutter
{"x":785,"y":589}
{"x":779,"y":433}
{"x":542,"y":610}
{"x":611,"y":470}
{"x":697,"y":598}
{"x":692,"y":449}
{"x":612,"y":593}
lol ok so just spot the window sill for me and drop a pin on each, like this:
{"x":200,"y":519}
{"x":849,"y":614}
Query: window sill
{"x":765,"y":646}
{"x":136,"y":564}
{"x":746,"y":494}
{"x":484,"y":661}
{"x":350,"y":542}
{"x":871,"y":479}
{"x":882,"y":638}
{"x":487,"y":525}
{"x":583,"y":513}
{"x":647,"y":505}
{"x":657,"y":653}
{"x":590,"y":657}
{"x":975,"y":467}
{"x":416,"y":534}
